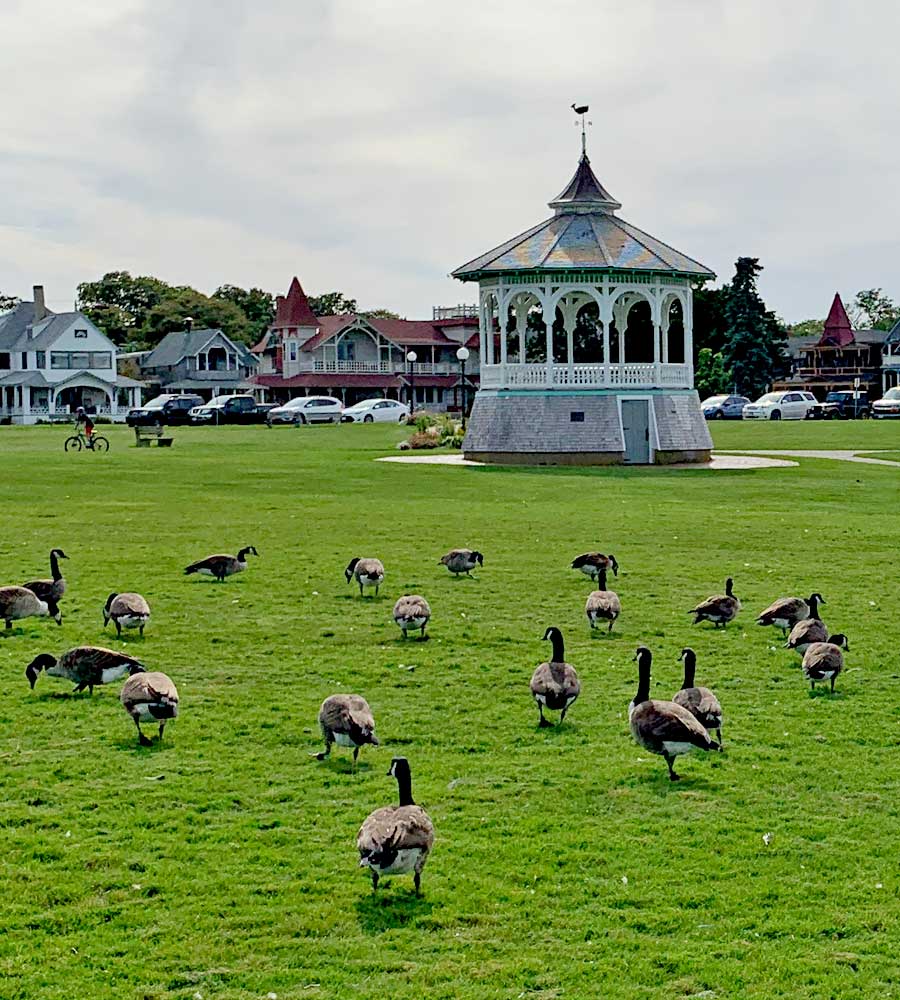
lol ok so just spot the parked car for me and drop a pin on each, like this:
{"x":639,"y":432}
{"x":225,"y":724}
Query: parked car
{"x":370,"y":411}
{"x":233,"y":409}
{"x":841,"y":404}
{"x":724,"y":407}
{"x":308,"y":410}
{"x":888,"y":405}
{"x":780,"y":406}
{"x":163,"y":410}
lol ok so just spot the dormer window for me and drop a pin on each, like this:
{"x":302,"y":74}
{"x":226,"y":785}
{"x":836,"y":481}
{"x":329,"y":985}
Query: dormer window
{"x":81,"y":334}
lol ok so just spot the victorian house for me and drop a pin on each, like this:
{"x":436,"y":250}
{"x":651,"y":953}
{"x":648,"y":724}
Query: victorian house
{"x":842,"y":358}
{"x":52,"y":363}
{"x":354,"y":357}
{"x":205,"y":362}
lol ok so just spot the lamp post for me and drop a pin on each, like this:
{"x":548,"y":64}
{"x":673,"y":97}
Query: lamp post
{"x":412,"y":358}
{"x":462,"y":356}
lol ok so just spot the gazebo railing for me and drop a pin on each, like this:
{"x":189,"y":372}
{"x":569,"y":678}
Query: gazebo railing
{"x":586,"y":376}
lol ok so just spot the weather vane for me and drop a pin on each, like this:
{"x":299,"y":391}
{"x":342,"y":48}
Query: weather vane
{"x":582,"y":109}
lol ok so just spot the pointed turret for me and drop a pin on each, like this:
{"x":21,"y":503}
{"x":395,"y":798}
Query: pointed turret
{"x":292,"y":310}
{"x":838,"y":332}
{"x":584,"y":193}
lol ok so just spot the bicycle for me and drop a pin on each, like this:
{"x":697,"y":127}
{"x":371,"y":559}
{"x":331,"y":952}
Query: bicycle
{"x":79,"y":441}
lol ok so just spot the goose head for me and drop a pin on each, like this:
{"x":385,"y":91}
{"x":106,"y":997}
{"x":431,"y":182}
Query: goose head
{"x":43,"y":661}
{"x":614,"y":564}
{"x":136,"y":668}
{"x":839,"y":639}
{"x":478,"y":557}
{"x":351,"y":566}
{"x":245,"y":551}
{"x":58,"y":553}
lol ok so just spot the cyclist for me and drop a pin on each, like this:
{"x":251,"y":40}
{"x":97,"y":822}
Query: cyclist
{"x":83,"y":420}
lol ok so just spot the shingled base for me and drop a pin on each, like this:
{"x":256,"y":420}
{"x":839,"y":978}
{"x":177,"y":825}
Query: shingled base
{"x":550,"y":427}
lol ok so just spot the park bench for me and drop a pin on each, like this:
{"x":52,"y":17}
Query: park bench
{"x":143,"y":437}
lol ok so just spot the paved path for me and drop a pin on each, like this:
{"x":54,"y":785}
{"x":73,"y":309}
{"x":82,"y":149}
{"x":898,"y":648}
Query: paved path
{"x":718,"y":463}
{"x":840,"y":456}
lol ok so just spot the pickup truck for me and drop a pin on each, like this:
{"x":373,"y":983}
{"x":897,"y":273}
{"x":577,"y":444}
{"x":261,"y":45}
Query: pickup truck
{"x":841,"y":405}
{"x":235,"y":409}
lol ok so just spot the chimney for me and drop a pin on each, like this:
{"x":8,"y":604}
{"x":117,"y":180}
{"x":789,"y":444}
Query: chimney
{"x":40,"y":307}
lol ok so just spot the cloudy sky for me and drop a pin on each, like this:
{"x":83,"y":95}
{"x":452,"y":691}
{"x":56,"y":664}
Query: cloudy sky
{"x":372,"y":146}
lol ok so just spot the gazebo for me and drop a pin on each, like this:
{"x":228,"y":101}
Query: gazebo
{"x":585,"y":341}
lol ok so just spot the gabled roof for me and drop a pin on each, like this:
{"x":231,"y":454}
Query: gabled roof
{"x":293,"y":309}
{"x":893,"y":335}
{"x":50,"y":328}
{"x":185,"y":344}
{"x":404,"y":332}
{"x":838,"y":332}
{"x":583,"y":234}
{"x":14,"y":324}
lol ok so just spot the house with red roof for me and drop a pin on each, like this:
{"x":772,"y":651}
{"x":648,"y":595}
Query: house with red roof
{"x":839,"y":357}
{"x":354,"y":356}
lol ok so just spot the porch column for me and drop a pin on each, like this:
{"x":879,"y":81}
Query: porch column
{"x":521,"y":328}
{"x":26,"y":400}
{"x":569,"y":312}
{"x":549,"y":316}
{"x":688,"y":325}
{"x":604,"y":316}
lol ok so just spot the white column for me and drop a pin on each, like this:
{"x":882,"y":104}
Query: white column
{"x":522,"y":326}
{"x":482,"y":332}
{"x":504,"y":322}
{"x":688,"y":325}
{"x":569,"y":313}
{"x":549,"y":317}
{"x":605,"y":316}
{"x":26,"y":400}
{"x":667,"y":315}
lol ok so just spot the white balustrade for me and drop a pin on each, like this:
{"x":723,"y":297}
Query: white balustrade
{"x":379,"y":367}
{"x":585,"y":376}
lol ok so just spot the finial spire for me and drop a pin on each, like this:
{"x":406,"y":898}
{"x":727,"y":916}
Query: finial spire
{"x":582,"y":109}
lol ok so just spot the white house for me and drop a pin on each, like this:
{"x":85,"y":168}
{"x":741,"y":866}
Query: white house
{"x":52,"y":363}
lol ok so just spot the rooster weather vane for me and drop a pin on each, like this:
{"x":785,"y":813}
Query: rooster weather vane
{"x":582,"y":109}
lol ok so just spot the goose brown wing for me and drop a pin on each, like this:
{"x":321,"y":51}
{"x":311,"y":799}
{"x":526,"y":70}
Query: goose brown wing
{"x":555,"y":679}
{"x":806,"y":631}
{"x":130,"y":604}
{"x":87,"y":663}
{"x":822,"y":658}
{"x":147,"y":688}
{"x":42,"y":589}
{"x":665,"y":721}
{"x":401,"y":827}
{"x":215,"y":562}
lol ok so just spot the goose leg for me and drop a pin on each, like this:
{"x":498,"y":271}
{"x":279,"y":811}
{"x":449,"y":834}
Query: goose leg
{"x":543,"y":723}
{"x":610,"y":626}
{"x":562,"y":714}
{"x":672,"y":775}
{"x":141,"y":630}
{"x":355,"y":755}
{"x":417,"y":880}
{"x":162,"y":726}
{"x":832,"y":685}
{"x":719,"y":735}
{"x":360,"y":587}
{"x":118,"y":628}
{"x":377,"y":588}
{"x":423,"y":631}
{"x":144,"y":742}
{"x":323,"y":754}
{"x":374,"y":880}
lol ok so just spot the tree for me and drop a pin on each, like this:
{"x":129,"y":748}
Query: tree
{"x":380,"y":314}
{"x":754,"y":337}
{"x":119,"y":304}
{"x":8,"y":302}
{"x":258,"y":306}
{"x":173,"y":310}
{"x":711,"y":377}
{"x":871,"y":308}
{"x":811,"y":328}
{"x":332,"y":304}
{"x":710,"y":324}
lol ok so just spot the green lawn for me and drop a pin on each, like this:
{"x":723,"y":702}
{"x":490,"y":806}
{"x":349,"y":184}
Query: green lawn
{"x":222,"y":863}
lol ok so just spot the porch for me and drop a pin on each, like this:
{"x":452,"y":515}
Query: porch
{"x":26,"y":397}
{"x":585,"y":376}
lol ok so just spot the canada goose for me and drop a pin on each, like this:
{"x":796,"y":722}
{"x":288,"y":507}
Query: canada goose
{"x":149,"y":697}
{"x":396,"y":840}
{"x":462,"y":561}
{"x":719,"y":609}
{"x":699,"y":701}
{"x":87,"y":666}
{"x":787,"y":611}
{"x":221,"y":566}
{"x":53,"y":589}
{"x":20,"y":602}
{"x":412,"y":612}
{"x":368,"y":573}
{"x":663,"y":727}
{"x":590,"y":563}
{"x":823,"y":661}
{"x":555,"y":685}
{"x":806,"y":632}
{"x":126,"y":611}
{"x":603,"y":604}
{"x":346,"y":719}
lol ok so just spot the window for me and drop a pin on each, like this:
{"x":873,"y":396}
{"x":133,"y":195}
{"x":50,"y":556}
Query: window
{"x":292,"y":350}
{"x":4,"y":360}
{"x":81,"y":334}
{"x":40,"y":359}
{"x":77,"y":359}
{"x":24,"y":359}
{"x":201,"y":362}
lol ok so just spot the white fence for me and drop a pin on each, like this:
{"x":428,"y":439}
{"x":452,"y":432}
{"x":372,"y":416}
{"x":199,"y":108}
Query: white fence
{"x":586,"y":376}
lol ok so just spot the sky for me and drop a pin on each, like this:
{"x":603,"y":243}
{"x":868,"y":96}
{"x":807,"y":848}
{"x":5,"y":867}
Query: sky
{"x":371,"y":147}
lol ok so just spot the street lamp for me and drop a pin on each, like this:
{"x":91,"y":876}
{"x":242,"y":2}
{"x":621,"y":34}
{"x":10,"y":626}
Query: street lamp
{"x":412,"y":358}
{"x":462,"y":356}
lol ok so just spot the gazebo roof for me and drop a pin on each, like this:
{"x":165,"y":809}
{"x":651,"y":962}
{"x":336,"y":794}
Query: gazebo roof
{"x":583,"y":234}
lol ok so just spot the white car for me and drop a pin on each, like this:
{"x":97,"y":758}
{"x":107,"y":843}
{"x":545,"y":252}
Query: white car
{"x":371,"y":411}
{"x":780,"y":406}
{"x":888,"y":405}
{"x":308,"y":410}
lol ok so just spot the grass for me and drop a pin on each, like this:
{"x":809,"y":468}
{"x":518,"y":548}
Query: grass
{"x":221,"y":863}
